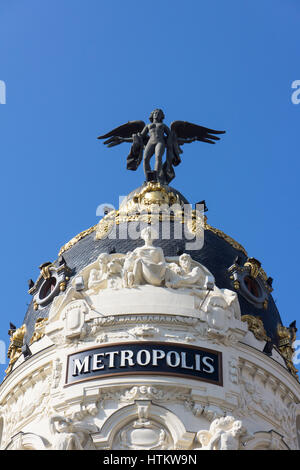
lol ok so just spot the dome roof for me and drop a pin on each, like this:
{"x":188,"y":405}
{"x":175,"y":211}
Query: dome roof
{"x":226,"y":259}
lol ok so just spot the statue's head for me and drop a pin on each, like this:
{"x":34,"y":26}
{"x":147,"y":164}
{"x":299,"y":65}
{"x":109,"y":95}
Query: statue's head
{"x":148,"y":233}
{"x":185,"y":261}
{"x":103,"y":258}
{"x":158,"y":114}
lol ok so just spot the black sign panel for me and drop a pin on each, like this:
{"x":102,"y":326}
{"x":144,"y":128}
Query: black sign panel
{"x":145,"y":358}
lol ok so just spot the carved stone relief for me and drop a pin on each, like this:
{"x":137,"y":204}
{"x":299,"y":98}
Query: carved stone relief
{"x":224,"y":434}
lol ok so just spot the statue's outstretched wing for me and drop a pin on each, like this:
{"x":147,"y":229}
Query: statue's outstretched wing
{"x":188,"y":132}
{"x":129,"y":132}
{"x":183,"y":132}
{"x":116,"y":136}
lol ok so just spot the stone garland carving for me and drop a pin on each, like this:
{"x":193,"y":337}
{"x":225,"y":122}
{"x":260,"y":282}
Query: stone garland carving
{"x":144,"y":392}
{"x":162,"y":395}
{"x":224,"y":434}
{"x":150,"y":392}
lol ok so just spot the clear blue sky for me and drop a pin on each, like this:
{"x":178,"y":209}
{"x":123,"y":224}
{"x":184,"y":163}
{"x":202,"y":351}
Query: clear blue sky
{"x":74,"y":69}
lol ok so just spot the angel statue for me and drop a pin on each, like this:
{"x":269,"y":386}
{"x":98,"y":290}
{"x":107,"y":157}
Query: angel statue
{"x":153,"y":139}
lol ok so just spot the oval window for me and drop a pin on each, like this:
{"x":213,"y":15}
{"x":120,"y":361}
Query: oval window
{"x":252,"y":286}
{"x":47,"y":287}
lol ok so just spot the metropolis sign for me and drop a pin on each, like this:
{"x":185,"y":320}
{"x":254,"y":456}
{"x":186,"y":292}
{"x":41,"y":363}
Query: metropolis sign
{"x":144,"y":358}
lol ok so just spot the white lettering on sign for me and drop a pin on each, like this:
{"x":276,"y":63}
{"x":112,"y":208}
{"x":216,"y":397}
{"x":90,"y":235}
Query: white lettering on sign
{"x":157,"y":354}
{"x":111,"y":355}
{"x":83,"y":366}
{"x":183,"y":362}
{"x":97,"y":361}
{"x":143,"y":358}
{"x":126,"y":357}
{"x":206,"y":361}
{"x":146,"y":358}
{"x":170,"y":360}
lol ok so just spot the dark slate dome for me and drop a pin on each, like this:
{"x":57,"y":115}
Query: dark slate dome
{"x":218,"y":254}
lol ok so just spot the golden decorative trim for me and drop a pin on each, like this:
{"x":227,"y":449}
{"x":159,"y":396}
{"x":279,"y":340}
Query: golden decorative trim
{"x":227,"y":238}
{"x":62,"y":286}
{"x":256,"y":325}
{"x":287,"y":336}
{"x":45,"y":271}
{"x":76,"y":239}
{"x":151,"y":194}
{"x":255,"y":268}
{"x":15,"y":347}
{"x":139,"y":209}
{"x":104,"y":226}
{"x":39,"y":329}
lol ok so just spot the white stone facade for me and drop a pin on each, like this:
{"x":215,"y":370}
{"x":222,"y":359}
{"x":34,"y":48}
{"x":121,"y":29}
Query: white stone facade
{"x":254,"y":408}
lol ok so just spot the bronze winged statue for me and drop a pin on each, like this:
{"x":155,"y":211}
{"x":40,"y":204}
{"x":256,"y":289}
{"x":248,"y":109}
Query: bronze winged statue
{"x":154,"y":138}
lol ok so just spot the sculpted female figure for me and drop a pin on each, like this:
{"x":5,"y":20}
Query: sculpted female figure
{"x":157,"y":142}
{"x":145,"y":265}
{"x":154,"y":138}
